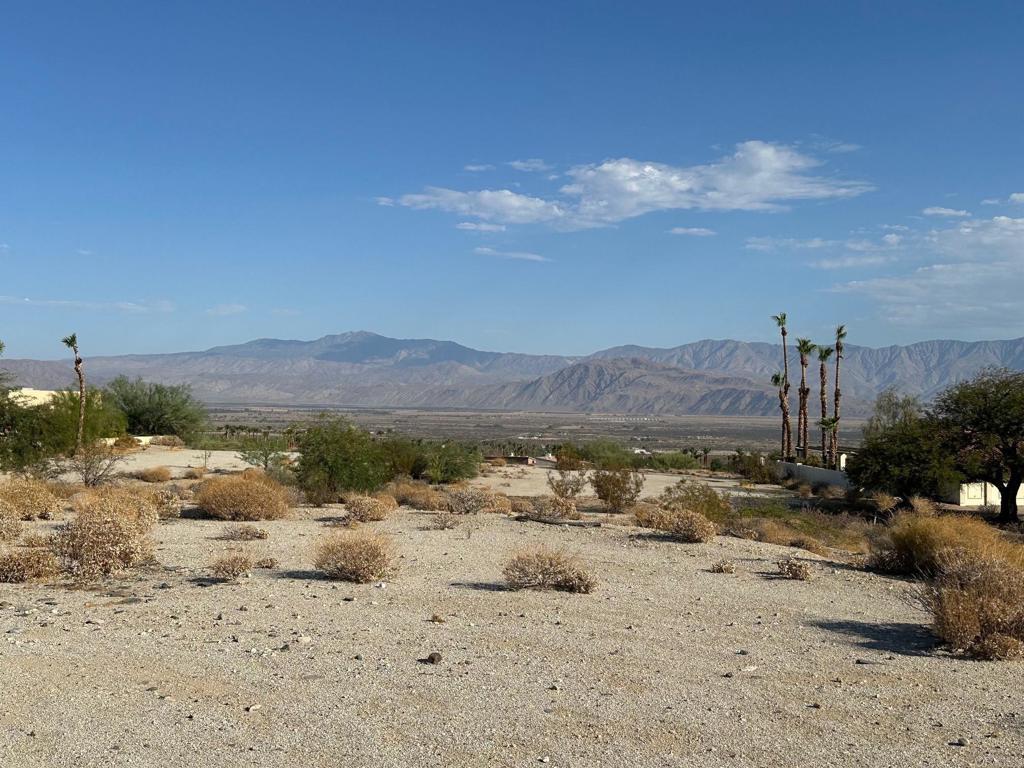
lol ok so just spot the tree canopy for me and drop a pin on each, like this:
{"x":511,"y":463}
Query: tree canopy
{"x":157,"y":409}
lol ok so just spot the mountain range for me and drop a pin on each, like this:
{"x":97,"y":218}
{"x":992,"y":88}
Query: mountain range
{"x":710,"y":377}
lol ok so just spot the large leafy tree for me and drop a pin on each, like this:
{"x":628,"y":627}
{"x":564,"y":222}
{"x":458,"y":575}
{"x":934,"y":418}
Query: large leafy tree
{"x":982,"y":424}
{"x":157,"y":409}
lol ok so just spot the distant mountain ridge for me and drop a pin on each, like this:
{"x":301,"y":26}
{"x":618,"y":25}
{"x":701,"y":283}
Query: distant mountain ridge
{"x":712,"y":377}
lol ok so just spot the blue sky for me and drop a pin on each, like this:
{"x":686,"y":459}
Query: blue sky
{"x":529,"y":176}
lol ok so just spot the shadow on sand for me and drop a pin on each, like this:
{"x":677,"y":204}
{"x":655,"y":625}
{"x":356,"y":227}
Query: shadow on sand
{"x":904,"y":638}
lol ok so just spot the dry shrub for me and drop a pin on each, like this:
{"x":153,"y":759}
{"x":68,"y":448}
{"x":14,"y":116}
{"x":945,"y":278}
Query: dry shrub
{"x":618,"y":488}
{"x":95,"y":464}
{"x":445,"y":521}
{"x":977,"y":605}
{"x":696,"y":497}
{"x":265,"y":562}
{"x":919,"y":505}
{"x":832,"y":492}
{"x":37,"y":540}
{"x":231,"y":566}
{"x":416,"y":495}
{"x":247,"y":496}
{"x":804,"y":491}
{"x":884,"y":502}
{"x":154,"y":475}
{"x":32,"y":499}
{"x":540,"y":567}
{"x":809,"y":544}
{"x":168,"y":441}
{"x":791,"y":568}
{"x":467,"y":501}
{"x":521,"y":507}
{"x":366,"y":508}
{"x":498,"y":504}
{"x":497,"y":461}
{"x":390,"y":502}
{"x":723,"y":566}
{"x":167,"y":503}
{"x":916,"y":545}
{"x":244,"y":533}
{"x":554,"y":507}
{"x":359,"y":556}
{"x":108,"y":535}
{"x":683,"y":524}
{"x":21,"y":565}
{"x":195,"y":473}
{"x":10,"y":521}
{"x":568,"y":483}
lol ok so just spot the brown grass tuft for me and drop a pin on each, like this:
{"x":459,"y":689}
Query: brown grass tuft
{"x":540,"y":567}
{"x":108,"y":535}
{"x":10,"y":521}
{"x":445,"y":521}
{"x":366,"y":509}
{"x":231,"y":566}
{"x":195,"y":473}
{"x":723,"y":566}
{"x":919,"y":505}
{"x":358,"y":556}
{"x":21,"y":565}
{"x":792,"y":568}
{"x":390,"y":502}
{"x":31,"y":498}
{"x":154,"y":475}
{"x":682,"y":524}
{"x":521,"y":506}
{"x":244,"y":533}
{"x":249,"y":496}
{"x":417,"y":495}
{"x":467,"y":501}
{"x":37,"y":540}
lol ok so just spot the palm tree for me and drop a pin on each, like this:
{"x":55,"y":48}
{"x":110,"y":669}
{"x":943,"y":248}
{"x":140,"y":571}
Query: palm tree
{"x":805,"y":347}
{"x":824,"y":353}
{"x":779,"y":380}
{"x":840,"y":335}
{"x":71,"y":342}
{"x":780,"y":321}
{"x":828,"y":427}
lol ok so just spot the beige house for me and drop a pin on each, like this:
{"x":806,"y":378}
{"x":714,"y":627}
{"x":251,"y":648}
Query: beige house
{"x":976,"y":495}
{"x":34,"y":396}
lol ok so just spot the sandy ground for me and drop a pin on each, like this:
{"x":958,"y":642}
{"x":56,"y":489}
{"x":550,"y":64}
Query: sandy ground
{"x":666,"y":664}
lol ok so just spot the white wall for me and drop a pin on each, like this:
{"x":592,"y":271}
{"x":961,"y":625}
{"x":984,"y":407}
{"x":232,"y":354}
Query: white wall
{"x":812,"y":475}
{"x":977,"y":495}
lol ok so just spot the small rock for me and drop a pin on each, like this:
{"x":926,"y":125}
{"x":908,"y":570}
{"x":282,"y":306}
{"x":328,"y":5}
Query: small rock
{"x":432,"y":658}
{"x":253,"y":707}
{"x":961,"y":742}
{"x":437,"y":619}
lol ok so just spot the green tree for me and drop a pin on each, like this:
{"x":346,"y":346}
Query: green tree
{"x":62,"y":420}
{"x":264,"y":451}
{"x":891,"y":410}
{"x":157,"y":409}
{"x":837,"y":396}
{"x":804,"y":347}
{"x":336,"y":456}
{"x":982,"y":423}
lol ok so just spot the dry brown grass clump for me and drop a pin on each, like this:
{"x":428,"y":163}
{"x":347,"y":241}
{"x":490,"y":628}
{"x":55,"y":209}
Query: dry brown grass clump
{"x":108,"y":535}
{"x":37,"y":540}
{"x":521,"y":507}
{"x":252,"y":496}
{"x":366,"y":509}
{"x":231,"y":566}
{"x":21,"y":565}
{"x":977,"y":605}
{"x":445,"y":521}
{"x":682,"y":524}
{"x":919,"y":505}
{"x":390,"y":502}
{"x":168,"y":441}
{"x":915,"y":545}
{"x":723,"y":566}
{"x":791,"y":568}
{"x":126,"y":443}
{"x":884,"y":502}
{"x":555,"y":507}
{"x":244,"y":533}
{"x":359,"y":556}
{"x":417,"y":495}
{"x":696,"y":497}
{"x":467,"y":501}
{"x":31,"y":498}
{"x":10,"y":521}
{"x":498,"y":504}
{"x":195,"y":473}
{"x":265,"y":563}
{"x":540,"y":567}
{"x":831,"y":492}
{"x":166,"y":502}
{"x":154,"y":475}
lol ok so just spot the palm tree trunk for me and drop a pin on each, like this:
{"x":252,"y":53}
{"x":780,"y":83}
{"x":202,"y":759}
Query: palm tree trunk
{"x":782,"y":407}
{"x":788,"y":452}
{"x":802,"y":417}
{"x":835,"y":413}
{"x":80,"y":372}
{"x":824,"y":413}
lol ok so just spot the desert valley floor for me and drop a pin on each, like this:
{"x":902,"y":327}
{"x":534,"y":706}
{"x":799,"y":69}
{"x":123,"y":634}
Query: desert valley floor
{"x":665,"y":664}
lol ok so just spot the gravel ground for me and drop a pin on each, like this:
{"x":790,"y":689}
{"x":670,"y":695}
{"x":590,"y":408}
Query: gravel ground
{"x":666,"y":664}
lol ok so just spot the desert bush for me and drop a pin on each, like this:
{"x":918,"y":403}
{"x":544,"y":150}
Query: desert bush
{"x":498,"y":504}
{"x":336,"y":456}
{"x":776,"y":523}
{"x":792,"y":568}
{"x":167,"y":503}
{"x":37,"y":540}
{"x":366,"y":508}
{"x":21,"y":565}
{"x":417,"y":495}
{"x":831,"y":492}
{"x":467,"y":501}
{"x":231,"y":566}
{"x":696,"y":497}
{"x":497,"y":461}
{"x":977,"y":605}
{"x":265,"y":562}
{"x":359,"y":556}
{"x":244,"y":533}
{"x":390,"y":502}
{"x":618,"y":488}
{"x":521,"y":507}
{"x":915,"y":545}
{"x":808,"y":544}
{"x":154,"y":475}
{"x":445,"y":521}
{"x":10,"y":521}
{"x":922,"y":506}
{"x":195,"y":473}
{"x":126,"y":443}
{"x":32,"y":499}
{"x":168,"y":441}
{"x":723,"y":566}
{"x":243,"y":497}
{"x":451,"y":462}
{"x":108,"y":535}
{"x":567,"y":483}
{"x":884,"y":502}
{"x":540,"y":567}
{"x":553,"y":507}
{"x":683,"y":524}
{"x":95,"y":464}
{"x":804,"y":491}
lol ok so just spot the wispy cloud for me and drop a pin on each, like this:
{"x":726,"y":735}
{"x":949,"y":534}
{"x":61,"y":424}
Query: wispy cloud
{"x":790,"y":243}
{"x":517,"y":255}
{"x":849,"y":262}
{"x":949,"y":213}
{"x":386,"y":201}
{"x":694,"y":231}
{"x":478,"y":168}
{"x":479,"y":226}
{"x":758,"y":176}
{"x":224,"y":310}
{"x":1017,"y":198}
{"x":533,"y":165}
{"x":135,"y":307}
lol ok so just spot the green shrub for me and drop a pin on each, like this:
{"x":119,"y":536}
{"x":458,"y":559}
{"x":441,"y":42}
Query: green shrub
{"x":696,"y":497}
{"x":336,"y":456}
{"x":156,"y":409}
{"x":618,"y":488}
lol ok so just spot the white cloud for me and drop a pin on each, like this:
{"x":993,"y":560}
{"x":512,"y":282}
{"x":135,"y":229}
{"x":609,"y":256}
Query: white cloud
{"x":223,"y":310}
{"x":791,"y":243}
{"x":518,"y":255}
{"x":533,"y":165}
{"x":1017,"y":197}
{"x":949,"y":213}
{"x":474,"y":226}
{"x":694,"y":231}
{"x":387,"y":201}
{"x":991,"y":201}
{"x":849,"y":262}
{"x":478,"y":167}
{"x":133,"y":307}
{"x":896,"y":227}
{"x":758,"y":176}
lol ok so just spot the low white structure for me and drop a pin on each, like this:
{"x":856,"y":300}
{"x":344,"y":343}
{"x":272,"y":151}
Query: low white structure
{"x":812,"y":475}
{"x":976,"y":495}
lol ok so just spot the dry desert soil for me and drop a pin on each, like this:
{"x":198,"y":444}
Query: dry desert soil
{"x":665,"y":664}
